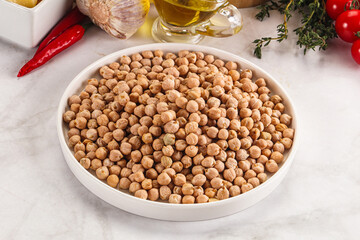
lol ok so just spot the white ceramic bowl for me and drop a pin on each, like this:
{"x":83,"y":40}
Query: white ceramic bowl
{"x":160,"y":210}
{"x":27,"y":26}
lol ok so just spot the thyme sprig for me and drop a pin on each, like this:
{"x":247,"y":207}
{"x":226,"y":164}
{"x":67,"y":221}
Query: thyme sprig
{"x":315,"y":30}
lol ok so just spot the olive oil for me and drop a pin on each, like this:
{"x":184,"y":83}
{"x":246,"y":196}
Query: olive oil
{"x":184,"y":13}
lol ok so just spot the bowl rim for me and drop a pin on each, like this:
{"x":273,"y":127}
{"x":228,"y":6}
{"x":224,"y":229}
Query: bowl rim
{"x":154,"y":46}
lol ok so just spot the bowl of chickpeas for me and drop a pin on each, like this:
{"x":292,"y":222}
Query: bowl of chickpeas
{"x":177,"y":132}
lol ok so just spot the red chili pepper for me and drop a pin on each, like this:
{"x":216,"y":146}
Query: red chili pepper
{"x":72,"y":18}
{"x":59,"y":44}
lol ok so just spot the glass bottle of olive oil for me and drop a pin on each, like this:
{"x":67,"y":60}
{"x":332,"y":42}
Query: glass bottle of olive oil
{"x":184,"y":13}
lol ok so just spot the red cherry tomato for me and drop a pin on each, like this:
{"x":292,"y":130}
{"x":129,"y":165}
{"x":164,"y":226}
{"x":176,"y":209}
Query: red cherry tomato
{"x":347,"y":24}
{"x":355,"y":51}
{"x":335,"y":7}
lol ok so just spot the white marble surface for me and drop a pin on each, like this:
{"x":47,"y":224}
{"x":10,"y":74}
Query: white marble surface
{"x":319,"y":199}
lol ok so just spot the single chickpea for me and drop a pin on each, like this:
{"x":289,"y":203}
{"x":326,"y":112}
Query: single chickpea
{"x":181,"y":102}
{"x":192,"y":139}
{"x":246,"y":143}
{"x":246,"y":187}
{"x":139,"y":176}
{"x":202,"y":199}
{"x":151,"y":174}
{"x":239,"y":181}
{"x":262,"y":177}
{"x":124,"y":183}
{"x":115,"y":155}
{"x":234,"y":144}
{"x":136,"y":156}
{"x":254,"y":151}
{"x":112,"y":180}
{"x":229,"y":174}
{"x":115,"y":170}
{"x":192,"y":106}
{"x":141,"y":193}
{"x":134,"y":186}
{"x":271,"y":166}
{"x":277,"y":156}
{"x":187,"y":189}
{"x":223,"y":123}
{"x":175,"y":198}
{"x":147,"y":138}
{"x":146,"y":184}
{"x":72,"y":132}
{"x":210,"y":192}
{"x":222,"y":193}
{"x":216,"y":182}
{"x":287,"y":142}
{"x":230,"y":162}
{"x":168,"y":84}
{"x":92,"y":134}
{"x":125,"y":148}
{"x":166,"y":161}
{"x":208,"y":162}
{"x":188,"y":199}
{"x":214,"y":113}
{"x":102,"y":172}
{"x":153,"y":194}
{"x":169,"y":139}
{"x":285,"y":119}
{"x":68,"y":116}
{"x":258,"y":167}
{"x":168,"y":150}
{"x":171,"y":127}
{"x":266,"y":152}
{"x":95,"y":164}
{"x":288,"y":133}
{"x":85,"y":162}
{"x":101,"y":153}
{"x":165,"y":192}
{"x":213,"y":149}
{"x":163,"y":179}
{"x":191,"y":127}
{"x":211,"y":173}
{"x":147,"y":162}
{"x":80,"y":122}
{"x":212,"y":132}
{"x":191,"y":150}
{"x":219,"y":165}
{"x":249,"y":174}
{"x":254,"y":181}
{"x":198,"y":180}
{"x":74,"y":140}
{"x":234,"y":190}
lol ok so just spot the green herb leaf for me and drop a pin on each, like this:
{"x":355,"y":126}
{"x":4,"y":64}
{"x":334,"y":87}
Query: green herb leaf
{"x":316,"y":26}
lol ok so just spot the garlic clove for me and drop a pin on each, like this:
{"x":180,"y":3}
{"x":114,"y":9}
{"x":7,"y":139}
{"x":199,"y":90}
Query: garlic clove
{"x":119,"y":18}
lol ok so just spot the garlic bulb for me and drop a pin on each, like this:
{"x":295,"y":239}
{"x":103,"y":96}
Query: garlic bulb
{"x":119,"y":18}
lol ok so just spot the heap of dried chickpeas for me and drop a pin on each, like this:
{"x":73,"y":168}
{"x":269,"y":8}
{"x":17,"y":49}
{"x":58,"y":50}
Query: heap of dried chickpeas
{"x":185,"y":128}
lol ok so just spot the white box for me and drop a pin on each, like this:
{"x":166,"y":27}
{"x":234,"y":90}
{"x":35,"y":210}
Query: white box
{"x":28,"y":26}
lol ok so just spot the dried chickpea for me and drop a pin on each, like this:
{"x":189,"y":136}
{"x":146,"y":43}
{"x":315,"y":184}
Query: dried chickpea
{"x":102,"y":172}
{"x":85,"y":162}
{"x":198,"y":180}
{"x":254,"y":181}
{"x":246,"y":187}
{"x":271,"y":166}
{"x":187,"y":189}
{"x":222,"y":193}
{"x":112,"y":180}
{"x":262,"y":177}
{"x":141,"y":193}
